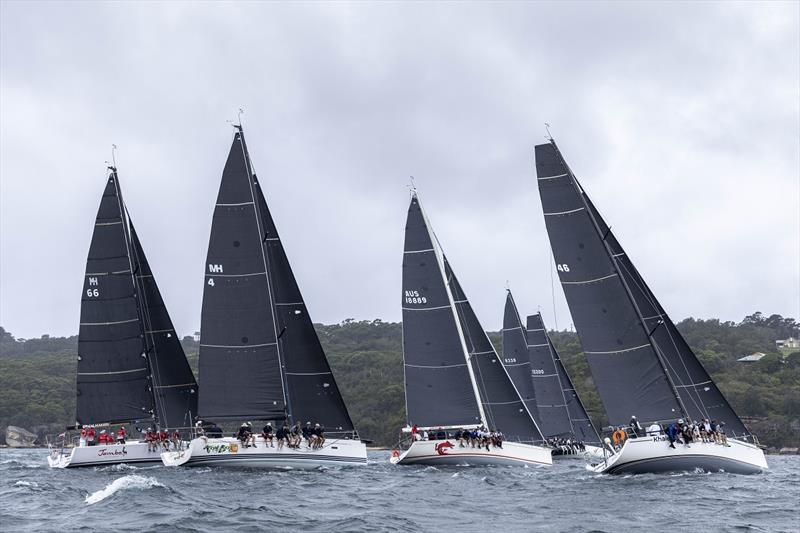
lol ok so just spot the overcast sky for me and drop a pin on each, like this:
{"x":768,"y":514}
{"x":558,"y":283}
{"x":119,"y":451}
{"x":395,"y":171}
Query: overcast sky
{"x":681,"y":120}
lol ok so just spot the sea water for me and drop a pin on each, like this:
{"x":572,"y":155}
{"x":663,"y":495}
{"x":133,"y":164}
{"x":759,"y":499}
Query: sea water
{"x":383,"y":497}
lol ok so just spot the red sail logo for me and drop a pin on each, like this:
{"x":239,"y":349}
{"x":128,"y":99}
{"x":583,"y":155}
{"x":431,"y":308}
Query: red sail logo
{"x":441,"y":448}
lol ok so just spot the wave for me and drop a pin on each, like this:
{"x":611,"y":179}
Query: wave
{"x":123,"y":483}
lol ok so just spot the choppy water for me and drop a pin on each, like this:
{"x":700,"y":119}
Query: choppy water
{"x":565,"y":497}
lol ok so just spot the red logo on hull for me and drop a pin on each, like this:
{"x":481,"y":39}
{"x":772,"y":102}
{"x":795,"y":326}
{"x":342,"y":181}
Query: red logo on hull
{"x":442,"y":447}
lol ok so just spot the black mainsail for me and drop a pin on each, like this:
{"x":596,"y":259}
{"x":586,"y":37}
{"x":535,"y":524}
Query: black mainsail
{"x":581,"y":426}
{"x":638,"y":359}
{"x":127,"y":369}
{"x":260,"y":357}
{"x":439,"y":389}
{"x":515,"y":358}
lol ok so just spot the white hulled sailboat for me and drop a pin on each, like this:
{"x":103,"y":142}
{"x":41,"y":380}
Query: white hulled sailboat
{"x":260,"y":357}
{"x":131,"y":366}
{"x":641,"y":364}
{"x":454,"y":380}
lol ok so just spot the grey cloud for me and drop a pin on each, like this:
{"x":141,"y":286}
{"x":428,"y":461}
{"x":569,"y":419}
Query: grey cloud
{"x":681,"y":120}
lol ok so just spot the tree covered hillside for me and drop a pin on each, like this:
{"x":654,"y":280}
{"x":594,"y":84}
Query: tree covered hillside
{"x":37,"y":376}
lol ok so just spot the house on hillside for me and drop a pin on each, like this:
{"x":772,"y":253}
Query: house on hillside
{"x":752,"y":358}
{"x":789,"y":343}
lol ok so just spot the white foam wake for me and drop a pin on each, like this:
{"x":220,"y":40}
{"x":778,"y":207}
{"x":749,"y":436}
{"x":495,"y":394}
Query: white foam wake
{"x":123,"y":483}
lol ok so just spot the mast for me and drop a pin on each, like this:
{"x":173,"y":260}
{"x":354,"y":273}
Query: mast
{"x":440,"y":261}
{"x":613,"y":259}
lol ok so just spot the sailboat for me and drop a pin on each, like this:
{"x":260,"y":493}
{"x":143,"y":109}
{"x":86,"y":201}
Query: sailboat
{"x":534,"y":366}
{"x":131,"y":366}
{"x":454,"y":380}
{"x":641,"y":364}
{"x":260,"y":357}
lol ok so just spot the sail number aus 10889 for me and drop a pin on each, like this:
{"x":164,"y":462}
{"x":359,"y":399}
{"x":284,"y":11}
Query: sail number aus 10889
{"x":413,"y":297}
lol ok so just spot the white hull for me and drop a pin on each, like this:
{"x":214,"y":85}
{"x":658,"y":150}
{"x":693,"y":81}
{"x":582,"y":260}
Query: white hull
{"x":653,"y":455}
{"x":230,"y":452}
{"x":132,"y":452}
{"x":448,"y":452}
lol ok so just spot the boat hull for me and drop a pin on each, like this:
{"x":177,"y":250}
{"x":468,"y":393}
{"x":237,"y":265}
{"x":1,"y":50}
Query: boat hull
{"x":653,"y":455}
{"x":132,"y":452}
{"x":229,"y":452}
{"x":448,"y":452}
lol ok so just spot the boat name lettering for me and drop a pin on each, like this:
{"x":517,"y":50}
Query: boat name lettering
{"x":217,"y":448}
{"x":413,"y":297}
{"x":105,"y":452}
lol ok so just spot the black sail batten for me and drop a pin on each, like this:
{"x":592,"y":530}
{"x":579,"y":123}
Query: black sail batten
{"x":311,"y":388}
{"x":439,"y":390}
{"x":581,"y":425}
{"x":173,"y":383}
{"x":112,"y":375}
{"x":240,"y":366}
{"x":700,"y":396}
{"x":502,"y":405}
{"x":626,"y":368}
{"x":515,"y":358}
{"x":551,"y":402}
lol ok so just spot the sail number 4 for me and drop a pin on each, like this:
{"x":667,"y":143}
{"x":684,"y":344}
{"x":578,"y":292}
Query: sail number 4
{"x":214,"y":269}
{"x":413,"y":297}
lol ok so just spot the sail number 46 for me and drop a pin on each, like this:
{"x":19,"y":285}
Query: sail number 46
{"x":563,"y":267}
